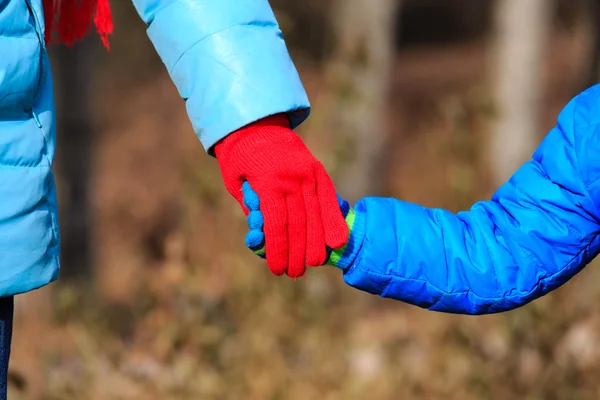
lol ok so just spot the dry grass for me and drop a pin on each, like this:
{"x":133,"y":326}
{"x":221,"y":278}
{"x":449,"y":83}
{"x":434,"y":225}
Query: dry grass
{"x":179,"y":310}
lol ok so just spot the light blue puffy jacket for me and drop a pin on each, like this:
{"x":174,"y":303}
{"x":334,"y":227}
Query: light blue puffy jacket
{"x":226,"y":57}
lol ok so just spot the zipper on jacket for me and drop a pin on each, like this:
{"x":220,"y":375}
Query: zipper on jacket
{"x":37,"y":25}
{"x":40,"y":35}
{"x":36,"y":118}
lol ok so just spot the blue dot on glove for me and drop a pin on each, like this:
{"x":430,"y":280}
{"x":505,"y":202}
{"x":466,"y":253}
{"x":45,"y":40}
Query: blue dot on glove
{"x":255,"y":220}
{"x":251,"y":200}
{"x":255,"y":240}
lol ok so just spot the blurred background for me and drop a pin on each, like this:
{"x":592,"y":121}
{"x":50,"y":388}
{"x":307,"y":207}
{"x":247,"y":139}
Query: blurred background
{"x":431,"y":101}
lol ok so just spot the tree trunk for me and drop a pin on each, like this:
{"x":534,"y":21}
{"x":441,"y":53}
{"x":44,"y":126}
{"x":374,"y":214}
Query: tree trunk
{"x":522,"y":31}
{"x":594,"y":15}
{"x":75,"y":134}
{"x":359,"y":74}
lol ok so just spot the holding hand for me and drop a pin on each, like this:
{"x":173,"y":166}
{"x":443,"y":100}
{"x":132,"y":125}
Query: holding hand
{"x":298,"y":199}
{"x":255,"y":238}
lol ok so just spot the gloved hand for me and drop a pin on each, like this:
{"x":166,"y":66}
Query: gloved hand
{"x":255,"y":238}
{"x":299,"y":205}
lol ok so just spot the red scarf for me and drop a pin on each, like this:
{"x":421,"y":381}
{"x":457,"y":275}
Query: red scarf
{"x":68,"y":21}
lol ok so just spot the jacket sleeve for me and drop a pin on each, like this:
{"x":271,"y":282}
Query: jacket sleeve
{"x":228,"y":61}
{"x":538,"y":230}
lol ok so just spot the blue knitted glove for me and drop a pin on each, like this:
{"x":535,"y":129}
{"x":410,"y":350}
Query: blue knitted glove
{"x":255,"y":238}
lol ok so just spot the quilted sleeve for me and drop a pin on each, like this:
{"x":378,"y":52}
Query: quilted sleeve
{"x":228,"y":60}
{"x":538,"y":230}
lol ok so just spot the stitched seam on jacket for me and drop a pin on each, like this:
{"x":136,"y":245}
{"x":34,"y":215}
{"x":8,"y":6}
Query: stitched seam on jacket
{"x":244,"y":24}
{"x":488,"y":249}
{"x":387,"y":286}
{"x":436,"y":301}
{"x":491,"y":258}
{"x":434,"y":214}
{"x":5,"y":96}
{"x":528,"y":254}
{"x":19,"y":37}
{"x":20,"y":166}
{"x":525,"y":294}
{"x":397,"y":256}
{"x":520,"y":248}
{"x":567,"y":223}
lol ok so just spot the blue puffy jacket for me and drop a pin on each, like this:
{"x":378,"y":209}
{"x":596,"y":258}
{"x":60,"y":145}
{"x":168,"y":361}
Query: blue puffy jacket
{"x":226,"y":57}
{"x":538,"y":230}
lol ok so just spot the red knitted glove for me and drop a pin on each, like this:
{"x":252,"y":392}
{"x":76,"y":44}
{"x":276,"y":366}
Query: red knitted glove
{"x":298,"y":199}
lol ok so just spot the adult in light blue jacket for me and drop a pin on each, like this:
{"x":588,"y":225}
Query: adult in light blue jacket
{"x":230,"y":64}
{"x":538,"y":230}
{"x":227,"y":59}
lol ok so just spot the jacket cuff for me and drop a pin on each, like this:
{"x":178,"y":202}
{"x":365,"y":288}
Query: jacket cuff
{"x":345,"y":257}
{"x":230,"y":73}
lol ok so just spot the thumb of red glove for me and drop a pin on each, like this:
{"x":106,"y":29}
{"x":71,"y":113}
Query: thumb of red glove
{"x":297,"y":196}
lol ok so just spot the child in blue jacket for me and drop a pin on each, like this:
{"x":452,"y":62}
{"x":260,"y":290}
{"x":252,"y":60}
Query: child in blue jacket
{"x":539,"y":229}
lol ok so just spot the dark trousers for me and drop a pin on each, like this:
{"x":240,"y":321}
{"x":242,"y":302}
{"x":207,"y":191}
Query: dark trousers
{"x":6,"y":327}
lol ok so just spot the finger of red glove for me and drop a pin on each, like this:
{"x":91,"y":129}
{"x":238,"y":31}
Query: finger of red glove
{"x":334,"y":225}
{"x":315,"y":238}
{"x":296,"y":214}
{"x":274,"y":210}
